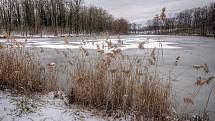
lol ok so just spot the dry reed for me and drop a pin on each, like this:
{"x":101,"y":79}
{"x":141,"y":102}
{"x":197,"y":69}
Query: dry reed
{"x":21,"y":71}
{"x":114,"y":83}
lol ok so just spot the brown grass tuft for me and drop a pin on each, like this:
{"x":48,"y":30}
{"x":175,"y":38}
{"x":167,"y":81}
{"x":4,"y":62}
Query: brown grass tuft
{"x":141,"y":45}
{"x":119,"y":84}
{"x":189,"y":100}
{"x":20,"y":70}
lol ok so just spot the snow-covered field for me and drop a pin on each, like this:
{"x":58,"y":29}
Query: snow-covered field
{"x":46,"y":108}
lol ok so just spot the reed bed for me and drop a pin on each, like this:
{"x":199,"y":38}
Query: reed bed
{"x":21,"y":71}
{"x":117,"y":82}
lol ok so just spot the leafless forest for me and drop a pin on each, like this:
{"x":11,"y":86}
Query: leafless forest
{"x":57,"y":16}
{"x":66,"y":16}
{"x":196,"y":21}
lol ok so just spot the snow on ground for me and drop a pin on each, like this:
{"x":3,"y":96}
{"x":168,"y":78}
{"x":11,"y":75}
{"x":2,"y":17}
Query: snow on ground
{"x":47,"y":108}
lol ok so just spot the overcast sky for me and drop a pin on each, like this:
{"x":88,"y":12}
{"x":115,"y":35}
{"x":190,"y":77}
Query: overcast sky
{"x":142,"y":10}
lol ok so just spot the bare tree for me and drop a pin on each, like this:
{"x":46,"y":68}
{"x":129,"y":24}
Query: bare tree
{"x":56,"y":16}
{"x":198,"y":21}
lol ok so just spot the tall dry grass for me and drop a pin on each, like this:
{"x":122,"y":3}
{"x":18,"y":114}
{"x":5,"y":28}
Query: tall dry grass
{"x":115,"y":82}
{"x":21,"y":71}
{"x":203,"y":80}
{"x":106,"y":81}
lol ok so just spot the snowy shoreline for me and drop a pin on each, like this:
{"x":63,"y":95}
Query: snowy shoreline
{"x":48,"y":108}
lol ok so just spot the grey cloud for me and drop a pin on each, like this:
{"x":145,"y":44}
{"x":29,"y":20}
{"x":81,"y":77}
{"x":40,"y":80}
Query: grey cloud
{"x":141,"y":10}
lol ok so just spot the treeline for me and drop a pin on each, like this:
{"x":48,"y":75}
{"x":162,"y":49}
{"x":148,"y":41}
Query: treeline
{"x":30,"y":17}
{"x":196,"y":21}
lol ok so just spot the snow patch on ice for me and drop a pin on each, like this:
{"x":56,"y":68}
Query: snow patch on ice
{"x":125,"y":43}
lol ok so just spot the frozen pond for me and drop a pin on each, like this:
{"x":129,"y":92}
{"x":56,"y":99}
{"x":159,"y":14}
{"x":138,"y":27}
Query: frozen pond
{"x":126,"y":42}
{"x":192,"y":50}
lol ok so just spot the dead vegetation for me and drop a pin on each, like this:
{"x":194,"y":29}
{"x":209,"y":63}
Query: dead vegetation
{"x":141,"y":45}
{"x":105,"y":81}
{"x":21,"y":71}
{"x":115,"y":83}
{"x":202,"y":80}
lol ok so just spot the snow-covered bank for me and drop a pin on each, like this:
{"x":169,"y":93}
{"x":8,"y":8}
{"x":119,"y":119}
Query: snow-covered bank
{"x":45,"y":108}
